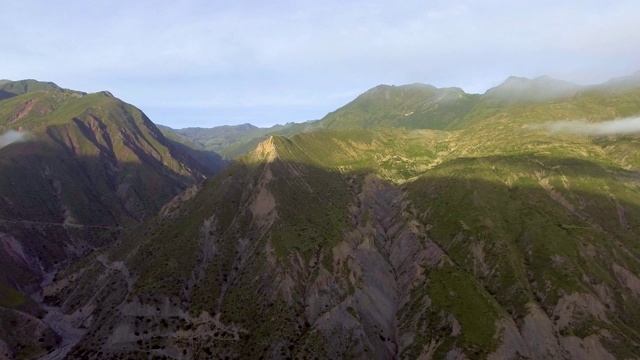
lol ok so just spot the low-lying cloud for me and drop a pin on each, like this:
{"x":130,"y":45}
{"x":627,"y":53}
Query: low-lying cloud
{"x":12,"y":136}
{"x":580,"y":127}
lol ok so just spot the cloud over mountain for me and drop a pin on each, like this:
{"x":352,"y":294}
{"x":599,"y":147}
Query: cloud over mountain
{"x":12,"y":136}
{"x":581,"y":127}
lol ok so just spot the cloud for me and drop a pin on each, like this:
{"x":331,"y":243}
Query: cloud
{"x":12,"y":136}
{"x":580,"y":127}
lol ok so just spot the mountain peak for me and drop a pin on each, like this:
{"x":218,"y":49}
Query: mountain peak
{"x":9,"y":89}
{"x":521,"y":89}
{"x":266,"y":150}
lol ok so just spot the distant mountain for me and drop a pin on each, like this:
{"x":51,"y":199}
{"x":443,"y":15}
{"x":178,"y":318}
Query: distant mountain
{"x":416,"y":106}
{"x":10,"y":88}
{"x":85,"y":168}
{"x":230,"y":141}
{"x":420,"y":106}
{"x":623,"y":82}
{"x":220,"y":137}
{"x":204,"y":157}
{"x":523,"y":90}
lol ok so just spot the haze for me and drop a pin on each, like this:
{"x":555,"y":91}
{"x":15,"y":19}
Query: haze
{"x":12,"y":136}
{"x":612,"y":127}
{"x":208,"y":63}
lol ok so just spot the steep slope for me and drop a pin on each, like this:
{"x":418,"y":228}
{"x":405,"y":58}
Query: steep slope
{"x":86,"y":167}
{"x":207,"y":159}
{"x":388,"y":244}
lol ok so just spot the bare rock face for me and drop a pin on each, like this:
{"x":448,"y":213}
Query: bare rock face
{"x":628,"y":279}
{"x":587,"y":348}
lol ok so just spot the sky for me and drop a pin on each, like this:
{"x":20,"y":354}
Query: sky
{"x":207,"y":63}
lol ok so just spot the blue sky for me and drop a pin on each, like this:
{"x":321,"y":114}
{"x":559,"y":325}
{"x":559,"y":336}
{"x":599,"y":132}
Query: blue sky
{"x":208,"y":63}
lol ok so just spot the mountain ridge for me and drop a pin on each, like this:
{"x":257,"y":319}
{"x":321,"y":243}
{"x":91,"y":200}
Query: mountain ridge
{"x":423,"y":106}
{"x":88,"y":167}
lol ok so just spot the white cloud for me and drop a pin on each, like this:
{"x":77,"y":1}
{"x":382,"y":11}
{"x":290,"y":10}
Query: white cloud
{"x":580,"y":127}
{"x":11,"y":137}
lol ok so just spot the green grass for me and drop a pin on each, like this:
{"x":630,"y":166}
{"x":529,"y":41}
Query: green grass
{"x":10,"y":298}
{"x":457,"y":293}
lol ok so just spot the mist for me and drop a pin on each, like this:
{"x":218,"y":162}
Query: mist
{"x":580,"y":127}
{"x":12,"y":136}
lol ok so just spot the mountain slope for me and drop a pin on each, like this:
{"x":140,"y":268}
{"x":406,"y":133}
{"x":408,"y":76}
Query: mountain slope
{"x":87,"y":167}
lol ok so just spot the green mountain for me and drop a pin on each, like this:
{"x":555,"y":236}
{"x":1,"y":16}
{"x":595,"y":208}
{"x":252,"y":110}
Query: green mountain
{"x":523,"y":90}
{"x":220,"y":137}
{"x":77,"y":169}
{"x":230,"y":141}
{"x":495,"y":238}
{"x":415,"y":106}
{"x":9,"y":89}
{"x":420,"y":106}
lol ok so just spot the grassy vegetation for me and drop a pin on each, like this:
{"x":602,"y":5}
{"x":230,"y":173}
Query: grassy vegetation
{"x":10,"y":298}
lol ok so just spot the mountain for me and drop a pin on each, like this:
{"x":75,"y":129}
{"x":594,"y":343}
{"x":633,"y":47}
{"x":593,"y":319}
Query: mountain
{"x":623,"y":82}
{"x":220,"y":137}
{"x":498,"y":240}
{"x":77,"y":170}
{"x":231,"y":141}
{"x":9,"y":89}
{"x":493,"y":237}
{"x":208,"y":159}
{"x":421,"y":106}
{"x":541,"y":89}
{"x":415,"y":106}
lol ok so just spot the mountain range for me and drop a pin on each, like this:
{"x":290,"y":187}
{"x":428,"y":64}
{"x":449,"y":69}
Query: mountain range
{"x":413,"y":222}
{"x":421,"y":106}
